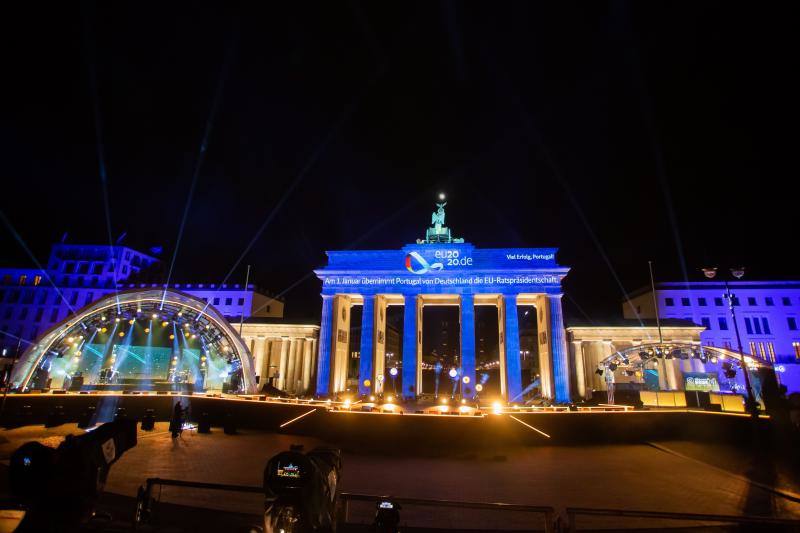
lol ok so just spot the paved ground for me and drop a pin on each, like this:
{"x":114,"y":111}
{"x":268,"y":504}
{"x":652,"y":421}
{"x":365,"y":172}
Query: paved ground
{"x":611,"y":476}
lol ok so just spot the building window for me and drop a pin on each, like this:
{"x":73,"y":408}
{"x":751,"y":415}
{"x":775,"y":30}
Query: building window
{"x":751,"y":300}
{"x":701,"y":302}
{"x":736,"y":301}
{"x":216,"y":301}
{"x":727,"y":344}
{"x":796,"y":346}
{"x":786,"y":300}
{"x":267,"y":309}
{"x":37,"y":280}
{"x":761,"y":351}
{"x":723,"y":323}
{"x":792,"y":321}
{"x":7,"y":314}
{"x":125,"y":269}
{"x":685,"y":302}
{"x":23,"y":313}
{"x":39,"y":313}
{"x":756,"y":325}
{"x":765,"y":323}
{"x":706,"y":322}
{"x":54,"y":315}
{"x":127,"y":256}
{"x":89,"y":298}
{"x":74,"y":299}
{"x":748,"y":326}
{"x":718,"y":302}
{"x":669,"y":302}
{"x":23,"y":279}
{"x":241,"y":301}
{"x":769,"y":301}
{"x":753,"y":349}
{"x":228,"y":301}
{"x":771,"y":350}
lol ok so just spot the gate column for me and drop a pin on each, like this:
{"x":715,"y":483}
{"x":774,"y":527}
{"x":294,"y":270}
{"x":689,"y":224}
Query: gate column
{"x":367,"y":346}
{"x":558,"y":349}
{"x":409,"y":347}
{"x":324,"y":362}
{"x":513,"y":365}
{"x":467,"y":345}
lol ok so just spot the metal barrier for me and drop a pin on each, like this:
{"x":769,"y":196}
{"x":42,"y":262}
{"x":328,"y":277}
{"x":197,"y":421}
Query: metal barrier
{"x":573,"y":512}
{"x":549,"y":513}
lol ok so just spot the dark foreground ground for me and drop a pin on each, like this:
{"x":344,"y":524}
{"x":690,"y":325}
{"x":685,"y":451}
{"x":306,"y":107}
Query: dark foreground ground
{"x":677,"y":476}
{"x":682,"y":462}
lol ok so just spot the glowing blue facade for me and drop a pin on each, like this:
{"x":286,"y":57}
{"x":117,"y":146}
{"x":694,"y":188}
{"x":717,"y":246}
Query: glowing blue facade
{"x":441,"y":274}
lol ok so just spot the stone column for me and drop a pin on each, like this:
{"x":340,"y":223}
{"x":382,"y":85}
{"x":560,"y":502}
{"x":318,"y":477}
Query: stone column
{"x":513,"y":363}
{"x":367,"y":343}
{"x":559,"y":350}
{"x":291,"y":364}
{"x":307,"y":345}
{"x":545,"y":346}
{"x":467,"y":345}
{"x":580,"y":368}
{"x":501,"y":346}
{"x":259,"y":362}
{"x":674,"y":375}
{"x":283,"y":365}
{"x":341,"y":341}
{"x":379,"y":346}
{"x":410,"y":347}
{"x":418,"y":387}
{"x":325,"y":344}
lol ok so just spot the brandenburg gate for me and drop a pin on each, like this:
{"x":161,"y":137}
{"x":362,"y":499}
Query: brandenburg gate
{"x":441,"y":270}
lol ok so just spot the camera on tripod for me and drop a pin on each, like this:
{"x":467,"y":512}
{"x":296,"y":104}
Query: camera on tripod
{"x":300,"y":490}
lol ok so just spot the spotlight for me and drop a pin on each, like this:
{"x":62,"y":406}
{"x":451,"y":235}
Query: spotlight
{"x":478,"y":387}
{"x":155,"y":316}
{"x":193,"y":336}
{"x":116,"y":319}
{"x":453,"y":373}
{"x":131,"y":321}
{"x":171,"y":336}
{"x":714,"y":359}
{"x":441,"y":196}
{"x":121,"y":333}
{"x":390,"y":398}
{"x":180,"y":313}
{"x":444,"y":401}
{"x":372,"y":398}
{"x":147,"y":330}
{"x":138,"y":309}
{"x":103,"y":330}
{"x":165,"y":324}
{"x":393,"y":371}
{"x":208,"y":326}
{"x":78,"y":353}
{"x":497,"y":408}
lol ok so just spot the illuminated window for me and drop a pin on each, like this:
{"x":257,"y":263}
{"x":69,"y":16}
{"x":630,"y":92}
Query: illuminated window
{"x":37,"y":280}
{"x":761,"y":351}
{"x":23,"y":279}
{"x":771,"y":349}
{"x":753,"y":351}
{"x":796,"y":346}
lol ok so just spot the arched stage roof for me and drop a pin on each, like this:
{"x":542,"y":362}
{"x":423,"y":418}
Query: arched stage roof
{"x":198,"y":330}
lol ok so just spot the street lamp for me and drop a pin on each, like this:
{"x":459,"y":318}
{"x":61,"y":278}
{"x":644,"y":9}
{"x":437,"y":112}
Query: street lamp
{"x":738,"y":273}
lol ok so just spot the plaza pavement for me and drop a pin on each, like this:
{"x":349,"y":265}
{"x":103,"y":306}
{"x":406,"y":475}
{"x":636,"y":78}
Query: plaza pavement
{"x":638,"y":476}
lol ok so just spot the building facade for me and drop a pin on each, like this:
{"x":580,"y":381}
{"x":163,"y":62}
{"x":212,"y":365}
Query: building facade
{"x":767,"y":313}
{"x":76,"y":275}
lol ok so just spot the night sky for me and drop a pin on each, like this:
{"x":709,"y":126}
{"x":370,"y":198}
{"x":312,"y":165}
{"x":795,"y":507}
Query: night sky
{"x":616,"y":132}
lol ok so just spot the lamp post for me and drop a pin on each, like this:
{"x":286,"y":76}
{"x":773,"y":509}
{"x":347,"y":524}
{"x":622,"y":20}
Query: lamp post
{"x":751,"y":404}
